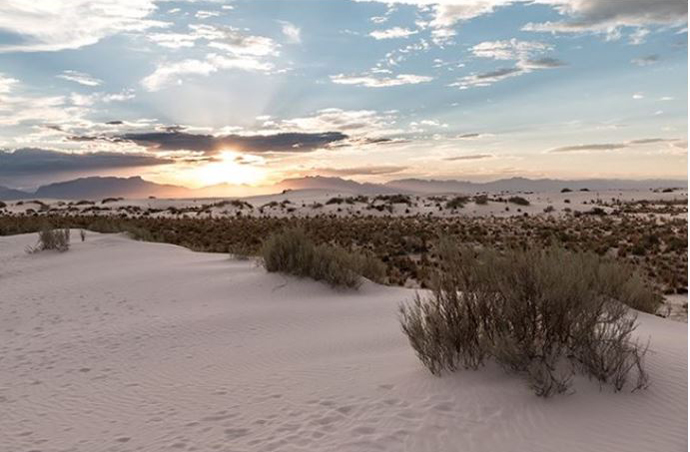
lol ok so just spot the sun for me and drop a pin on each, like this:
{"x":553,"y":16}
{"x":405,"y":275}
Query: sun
{"x":232,"y":168}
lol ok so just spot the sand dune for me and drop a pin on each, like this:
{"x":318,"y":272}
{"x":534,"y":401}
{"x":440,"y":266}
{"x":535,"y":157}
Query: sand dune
{"x":119,"y":345}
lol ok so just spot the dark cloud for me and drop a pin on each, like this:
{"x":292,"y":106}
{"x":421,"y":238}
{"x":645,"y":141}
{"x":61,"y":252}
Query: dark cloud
{"x":499,"y":73}
{"x":607,"y":15}
{"x":469,"y":157}
{"x":589,"y":147}
{"x":31,"y":161}
{"x":114,"y":123}
{"x":653,"y":140}
{"x":544,"y":63}
{"x":178,"y":140}
{"x":467,"y":136}
{"x":361,"y":171}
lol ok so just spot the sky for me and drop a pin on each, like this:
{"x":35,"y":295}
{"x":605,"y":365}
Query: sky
{"x":198,"y":93}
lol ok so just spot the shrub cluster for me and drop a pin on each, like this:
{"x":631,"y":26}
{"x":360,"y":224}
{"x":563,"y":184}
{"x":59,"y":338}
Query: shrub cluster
{"x":293,"y":252}
{"x":657,"y":245}
{"x":544,"y":313}
{"x":519,"y":200}
{"x":51,"y":239}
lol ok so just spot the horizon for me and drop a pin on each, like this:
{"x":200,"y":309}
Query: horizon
{"x":196,"y":94}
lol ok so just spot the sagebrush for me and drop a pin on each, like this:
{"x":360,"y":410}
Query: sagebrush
{"x":293,"y":252}
{"x":51,"y":239}
{"x":545,"y":313}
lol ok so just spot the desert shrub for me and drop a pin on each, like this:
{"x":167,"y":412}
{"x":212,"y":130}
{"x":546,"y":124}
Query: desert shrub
{"x":51,"y":239}
{"x":371,"y":267}
{"x":2,"y":205}
{"x":545,"y":313}
{"x":138,"y":233}
{"x":335,"y":266}
{"x":481,"y":200}
{"x":82,"y":234}
{"x":457,"y":202}
{"x":293,"y":252}
{"x":565,"y":190}
{"x":519,"y":200}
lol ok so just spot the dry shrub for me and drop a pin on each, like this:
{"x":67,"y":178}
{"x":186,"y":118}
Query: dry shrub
{"x":51,"y":239}
{"x":544,"y":313}
{"x":293,"y":252}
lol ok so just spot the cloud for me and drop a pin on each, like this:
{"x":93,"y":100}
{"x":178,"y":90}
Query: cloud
{"x":364,"y":126}
{"x":228,"y":39}
{"x":522,"y":67}
{"x":201,"y":14}
{"x":638,"y":36}
{"x":81,"y":78}
{"x":469,"y":157}
{"x":177,"y":140}
{"x":542,"y":63}
{"x":611,"y":146}
{"x":646,"y":60}
{"x":7,"y":83}
{"x":581,"y":16}
{"x":57,"y":25}
{"x":588,"y":147}
{"x":392,"y":33}
{"x":360,"y":170}
{"x":31,"y":161}
{"x":472,"y":136}
{"x":371,"y":81}
{"x":169,"y":73}
{"x":607,"y":17}
{"x":488,"y":78}
{"x":291,"y":32}
{"x":509,"y":50}
{"x":638,"y":96}
{"x":653,"y":140}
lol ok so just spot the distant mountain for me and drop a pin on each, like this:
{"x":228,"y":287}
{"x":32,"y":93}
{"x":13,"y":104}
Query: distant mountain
{"x":7,"y":193}
{"x":103,"y":187}
{"x":136,"y":187}
{"x":522,"y":184}
{"x":335,"y":184}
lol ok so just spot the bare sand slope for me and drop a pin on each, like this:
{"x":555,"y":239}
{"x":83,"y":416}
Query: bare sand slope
{"x":126,"y":346}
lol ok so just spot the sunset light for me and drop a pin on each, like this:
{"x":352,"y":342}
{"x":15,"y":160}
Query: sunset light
{"x":230,"y":167}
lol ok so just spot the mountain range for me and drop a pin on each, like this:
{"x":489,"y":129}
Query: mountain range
{"x":136,"y":187}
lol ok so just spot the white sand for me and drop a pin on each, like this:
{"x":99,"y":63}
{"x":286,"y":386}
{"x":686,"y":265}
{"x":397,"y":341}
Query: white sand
{"x":301,"y":203}
{"x":127,"y":346}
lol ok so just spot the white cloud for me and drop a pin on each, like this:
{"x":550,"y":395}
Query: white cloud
{"x":6,"y":83}
{"x":354,"y":123}
{"x":509,"y":50}
{"x":173,"y":40}
{"x":229,"y":39}
{"x":645,"y":60}
{"x":201,"y":14}
{"x":638,"y":36}
{"x":234,"y":40}
{"x":170,"y":73}
{"x":371,"y":81}
{"x":291,"y":32}
{"x":58,"y":25}
{"x":81,"y":78}
{"x":392,"y":33}
{"x":638,"y":96}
